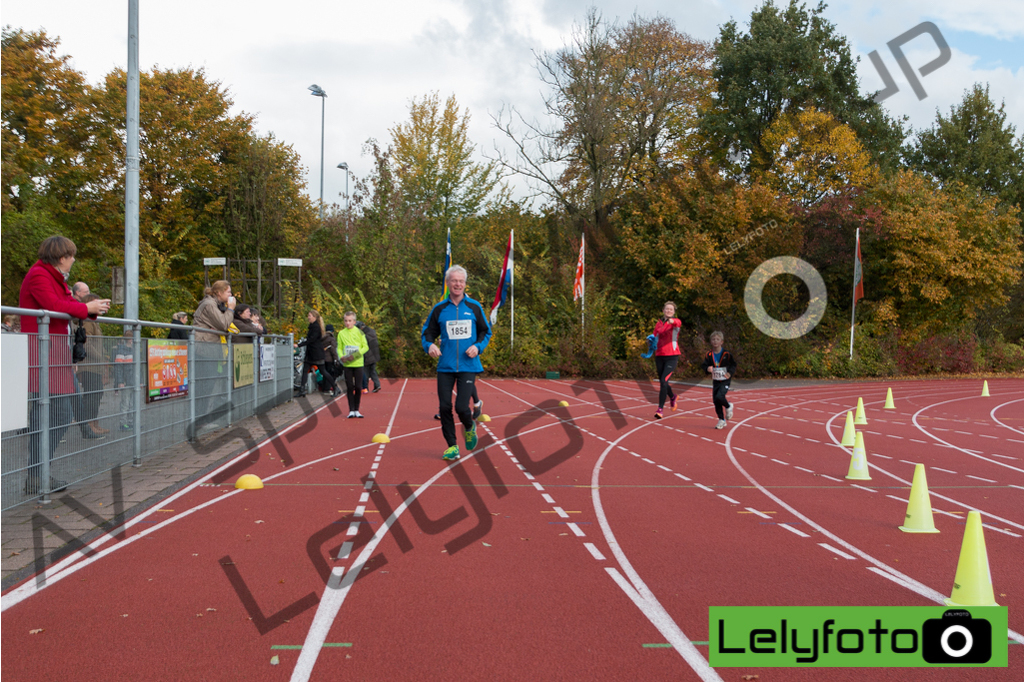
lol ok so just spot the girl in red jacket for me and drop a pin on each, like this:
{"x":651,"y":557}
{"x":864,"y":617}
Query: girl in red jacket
{"x":666,"y":333}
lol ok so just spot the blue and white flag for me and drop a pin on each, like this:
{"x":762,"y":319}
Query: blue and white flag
{"x":504,"y":283}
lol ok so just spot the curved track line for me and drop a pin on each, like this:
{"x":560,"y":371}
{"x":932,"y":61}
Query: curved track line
{"x":992,"y":414}
{"x":901,"y":578}
{"x":966,"y":452}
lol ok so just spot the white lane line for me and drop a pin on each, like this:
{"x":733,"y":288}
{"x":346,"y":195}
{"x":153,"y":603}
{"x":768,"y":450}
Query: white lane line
{"x":942,"y":442}
{"x":365,"y":497}
{"x":954,"y":515}
{"x":999,"y":530}
{"x":984,"y":435}
{"x":374,"y":466}
{"x":915,"y":440}
{"x":907,"y":461}
{"x":898,"y":499}
{"x":979,"y":478}
{"x":854,"y":485}
{"x":360,"y":510}
{"x":810,"y":471}
{"x":538,"y":486}
{"x":353,"y":528}
{"x":836,"y":551}
{"x":594,"y":552}
{"x":780,"y":461}
{"x":728,"y":499}
{"x":372,"y":474}
{"x":1021,"y":487}
{"x":561,"y":512}
{"x":665,"y":468}
{"x":346,"y":550}
{"x":791,"y":529}
{"x":576,"y":530}
{"x":548,"y":498}
{"x":740,"y":449}
{"x":684,"y":477}
{"x":761,"y":514}
{"x":759,"y":455}
{"x":704,"y":487}
{"x":831,"y":478}
{"x":1004,"y":456}
{"x":875,"y":454}
{"x":948,"y":471}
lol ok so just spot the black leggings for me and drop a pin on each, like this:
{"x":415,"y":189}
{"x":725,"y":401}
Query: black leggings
{"x":666,"y":365}
{"x":307,"y":367}
{"x":718,"y":391}
{"x":353,"y":387}
{"x":465,"y":385}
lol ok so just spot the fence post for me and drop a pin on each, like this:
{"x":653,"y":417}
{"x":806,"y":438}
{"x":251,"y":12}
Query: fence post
{"x":231,"y":378}
{"x":291,"y":367}
{"x":139,"y":358}
{"x":255,"y":375}
{"x":43,"y":407}
{"x":193,"y":372}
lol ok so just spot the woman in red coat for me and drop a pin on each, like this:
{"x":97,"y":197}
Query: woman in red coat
{"x":45,"y":288}
{"x":667,"y":356}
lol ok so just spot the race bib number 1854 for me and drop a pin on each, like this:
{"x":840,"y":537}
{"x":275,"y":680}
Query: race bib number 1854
{"x":458,"y":330}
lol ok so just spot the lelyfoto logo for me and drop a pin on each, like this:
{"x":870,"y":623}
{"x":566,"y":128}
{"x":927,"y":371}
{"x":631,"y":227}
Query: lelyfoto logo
{"x":857,"y":636}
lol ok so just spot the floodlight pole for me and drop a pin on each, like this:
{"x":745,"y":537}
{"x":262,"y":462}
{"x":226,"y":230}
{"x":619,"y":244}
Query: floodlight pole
{"x":131,"y":178}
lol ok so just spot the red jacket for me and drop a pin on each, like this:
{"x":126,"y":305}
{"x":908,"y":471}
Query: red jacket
{"x":667,"y":334}
{"x":44,"y":288}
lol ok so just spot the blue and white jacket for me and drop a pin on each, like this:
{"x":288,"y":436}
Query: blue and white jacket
{"x":455,"y":328}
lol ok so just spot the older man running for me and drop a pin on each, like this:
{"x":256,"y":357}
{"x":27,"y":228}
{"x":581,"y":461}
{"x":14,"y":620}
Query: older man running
{"x":455,"y":333}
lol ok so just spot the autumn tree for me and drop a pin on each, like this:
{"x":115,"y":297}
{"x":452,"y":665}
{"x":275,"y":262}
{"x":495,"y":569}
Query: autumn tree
{"x":790,"y":59}
{"x":625,"y":102}
{"x":974,"y":145}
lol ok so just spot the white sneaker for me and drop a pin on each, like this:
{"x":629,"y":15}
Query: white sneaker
{"x":728,"y":412}
{"x":721,"y":424}
{"x":358,"y":414}
{"x":352,"y":415}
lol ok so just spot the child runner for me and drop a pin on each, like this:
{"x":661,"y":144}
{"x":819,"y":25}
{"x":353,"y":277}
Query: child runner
{"x":721,"y":366}
{"x":667,"y":354}
{"x":352,"y":341}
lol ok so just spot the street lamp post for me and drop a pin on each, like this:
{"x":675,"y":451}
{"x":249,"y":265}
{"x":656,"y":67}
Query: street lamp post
{"x":317,"y":91}
{"x":344,"y":166}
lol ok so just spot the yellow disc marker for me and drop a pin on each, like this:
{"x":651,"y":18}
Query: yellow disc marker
{"x":484,"y":418}
{"x":381,"y":438}
{"x":249,"y":482}
{"x":563,"y":403}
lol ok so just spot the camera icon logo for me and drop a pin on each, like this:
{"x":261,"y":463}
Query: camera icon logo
{"x":956,"y":638}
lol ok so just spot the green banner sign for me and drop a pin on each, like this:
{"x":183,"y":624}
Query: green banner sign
{"x":857,"y":636}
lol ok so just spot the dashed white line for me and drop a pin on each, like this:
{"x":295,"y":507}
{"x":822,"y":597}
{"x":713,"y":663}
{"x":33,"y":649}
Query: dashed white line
{"x":561,"y":512}
{"x":728,"y":499}
{"x":759,"y":455}
{"x":810,"y":471}
{"x":1000,"y":530}
{"x":979,"y":478}
{"x":665,"y":468}
{"x":683,"y":477}
{"x":360,"y":510}
{"x":780,"y":461}
{"x":704,"y":487}
{"x":538,"y":486}
{"x":576,"y":530}
{"x":353,"y":528}
{"x":365,"y":497}
{"x":898,"y":499}
{"x":831,"y":478}
{"x":346,"y":550}
{"x":854,"y":485}
{"x":875,"y":454}
{"x":548,"y":498}
{"x":761,"y":514}
{"x":594,"y":551}
{"x":836,"y":551}
{"x":791,"y":529}
{"x":943,"y":470}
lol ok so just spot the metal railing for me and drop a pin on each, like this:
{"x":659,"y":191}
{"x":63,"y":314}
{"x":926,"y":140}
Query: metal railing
{"x":107,"y":410}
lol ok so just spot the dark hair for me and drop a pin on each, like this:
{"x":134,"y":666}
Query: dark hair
{"x":329,"y":328}
{"x":56,"y":247}
{"x":90,"y":297}
{"x":240,"y":309}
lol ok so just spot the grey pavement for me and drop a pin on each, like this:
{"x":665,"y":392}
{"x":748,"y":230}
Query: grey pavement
{"x":35,"y":535}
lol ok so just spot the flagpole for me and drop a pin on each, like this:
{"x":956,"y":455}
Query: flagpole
{"x":512,"y":288}
{"x":583,"y":283}
{"x":853,"y":314}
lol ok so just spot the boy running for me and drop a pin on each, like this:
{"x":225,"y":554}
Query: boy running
{"x":720,"y":364}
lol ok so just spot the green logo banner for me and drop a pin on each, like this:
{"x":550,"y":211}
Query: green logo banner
{"x":857,"y":636}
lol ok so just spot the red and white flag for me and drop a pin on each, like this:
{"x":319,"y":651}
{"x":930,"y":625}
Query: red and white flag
{"x":858,"y":273}
{"x":577,"y":287}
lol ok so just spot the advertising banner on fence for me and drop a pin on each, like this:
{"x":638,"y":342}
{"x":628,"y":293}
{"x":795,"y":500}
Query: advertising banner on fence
{"x":267,"y":360}
{"x":167,"y":363}
{"x":243,"y":364}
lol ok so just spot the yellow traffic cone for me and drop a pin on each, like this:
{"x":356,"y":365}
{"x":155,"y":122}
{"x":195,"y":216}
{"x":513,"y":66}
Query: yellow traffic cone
{"x":859,"y":462}
{"x":889,"y":404}
{"x":860,"y":419}
{"x":972,"y":585}
{"x":919,"y":509}
{"x":984,"y":389}
{"x":849,"y":433}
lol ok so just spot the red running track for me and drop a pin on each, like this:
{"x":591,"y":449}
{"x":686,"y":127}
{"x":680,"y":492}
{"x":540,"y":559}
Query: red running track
{"x":575,"y":543}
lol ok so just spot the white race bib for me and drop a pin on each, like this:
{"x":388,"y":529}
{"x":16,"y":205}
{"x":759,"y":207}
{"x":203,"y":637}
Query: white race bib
{"x":350,"y":350}
{"x":458,"y":329}
{"x":718,"y":373}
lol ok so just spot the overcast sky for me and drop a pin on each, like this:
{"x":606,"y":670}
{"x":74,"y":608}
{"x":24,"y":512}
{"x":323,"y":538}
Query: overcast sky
{"x":373,"y":58}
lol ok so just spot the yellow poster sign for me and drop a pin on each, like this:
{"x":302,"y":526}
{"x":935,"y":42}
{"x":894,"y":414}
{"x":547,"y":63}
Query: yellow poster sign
{"x":243,"y":363}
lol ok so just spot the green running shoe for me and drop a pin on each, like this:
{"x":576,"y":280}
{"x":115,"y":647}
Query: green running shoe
{"x":451,"y":453}
{"x":471,"y":437}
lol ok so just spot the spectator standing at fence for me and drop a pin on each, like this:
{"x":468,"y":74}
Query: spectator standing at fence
{"x":11,"y":323}
{"x":215,"y":311}
{"x":314,"y":345}
{"x":124,"y":379}
{"x":243,"y":321}
{"x":352,"y":342}
{"x":79,"y":290}
{"x":45,"y":287}
{"x":90,"y":375}
{"x":180,"y":321}
{"x":371,"y":359}
{"x":257,"y":320}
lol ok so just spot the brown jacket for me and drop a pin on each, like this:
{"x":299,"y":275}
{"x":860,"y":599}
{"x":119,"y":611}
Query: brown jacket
{"x":209,"y":316}
{"x":95,"y":357}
